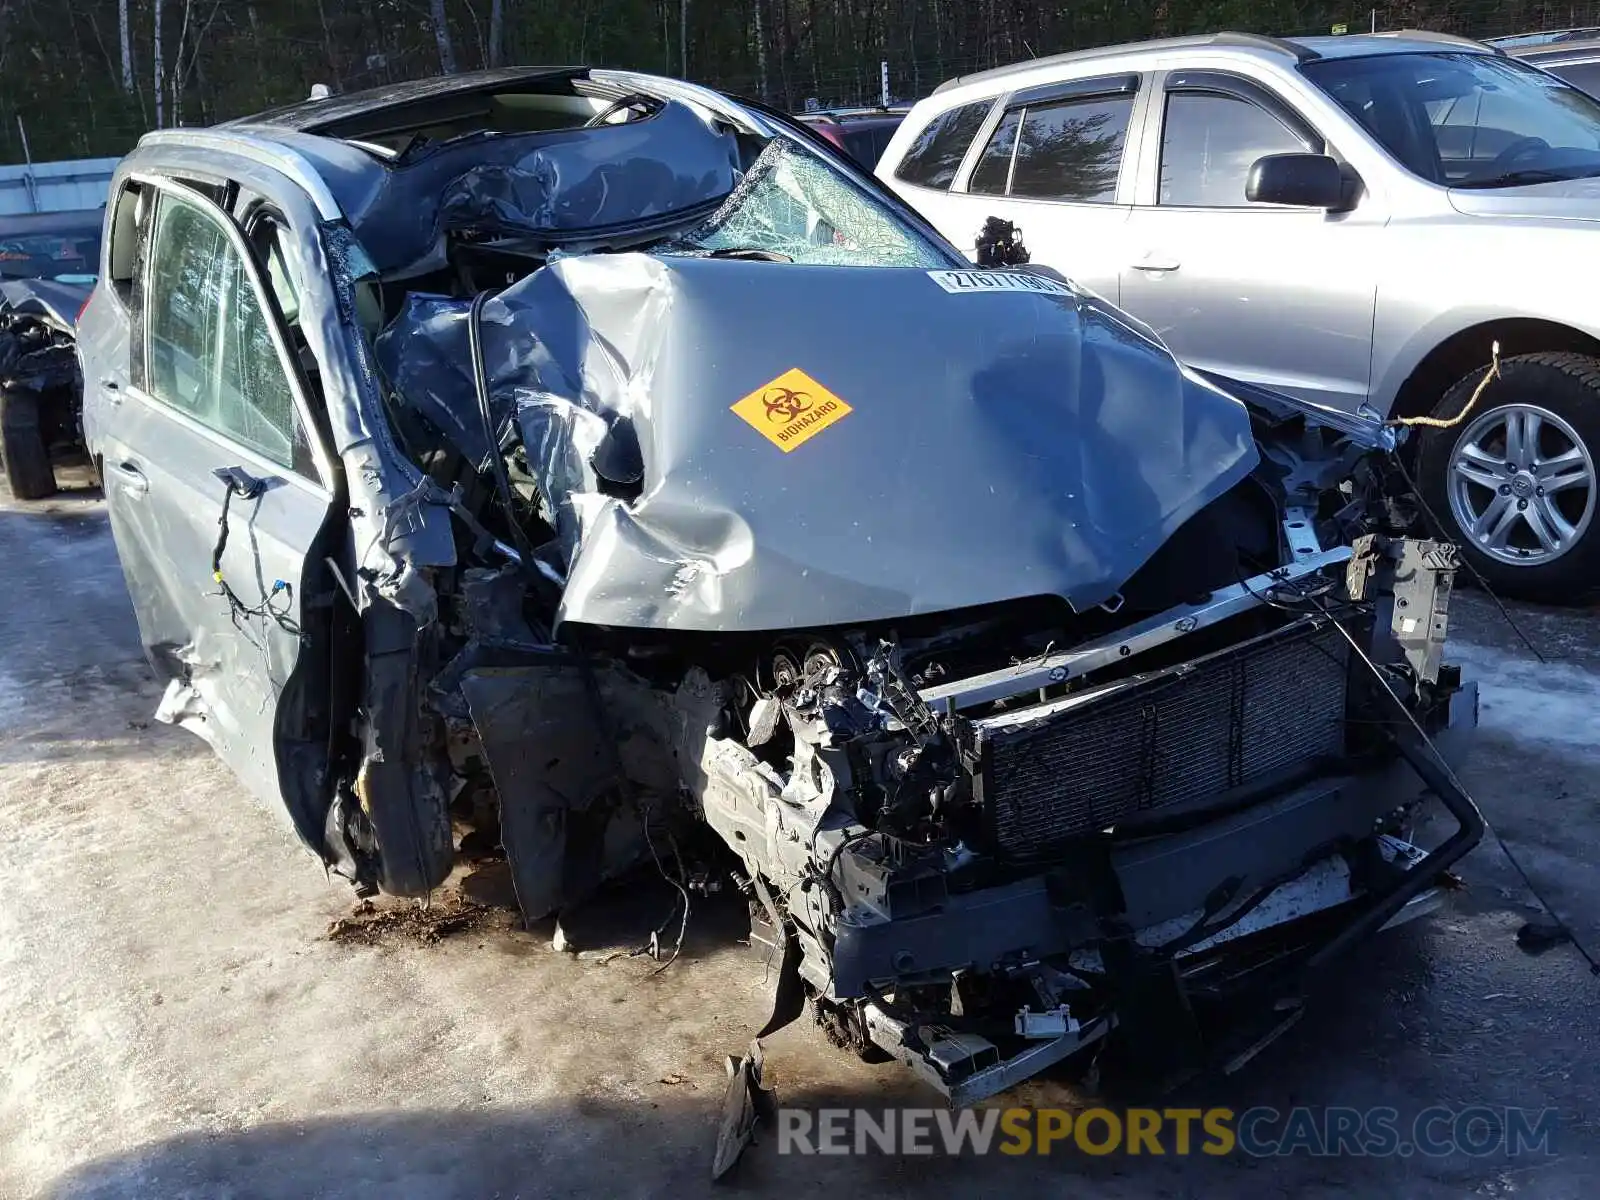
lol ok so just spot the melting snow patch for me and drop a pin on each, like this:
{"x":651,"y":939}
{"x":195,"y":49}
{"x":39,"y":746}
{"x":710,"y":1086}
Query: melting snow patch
{"x":13,"y":701}
{"x":1532,"y":701}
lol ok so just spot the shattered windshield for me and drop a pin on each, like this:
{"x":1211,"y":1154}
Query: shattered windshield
{"x":792,"y":204}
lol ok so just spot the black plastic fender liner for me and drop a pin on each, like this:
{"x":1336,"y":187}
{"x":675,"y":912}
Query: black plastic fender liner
{"x":22,"y":446}
{"x":552,"y":772}
{"x":406,"y":804}
{"x":789,"y":994}
{"x":577,"y":784}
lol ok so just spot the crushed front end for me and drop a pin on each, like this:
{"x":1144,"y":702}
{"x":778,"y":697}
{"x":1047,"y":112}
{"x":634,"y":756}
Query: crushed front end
{"x":1112,"y":731}
{"x":982,"y":875}
{"x":1044,"y":692}
{"x":40,"y":382}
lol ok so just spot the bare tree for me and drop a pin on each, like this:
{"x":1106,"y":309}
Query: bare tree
{"x":761,"y":49}
{"x":176,"y":114}
{"x":187,"y":56}
{"x":126,"y":38}
{"x":328,"y":46}
{"x":497,"y":32}
{"x":158,"y":79}
{"x":441,"y":36}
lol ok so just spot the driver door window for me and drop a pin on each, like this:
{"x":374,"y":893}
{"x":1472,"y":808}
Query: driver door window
{"x":1276,"y":295}
{"x":1209,"y":143}
{"x":212,"y":354}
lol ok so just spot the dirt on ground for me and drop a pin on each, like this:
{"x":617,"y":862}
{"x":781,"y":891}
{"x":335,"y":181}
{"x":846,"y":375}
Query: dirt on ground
{"x":386,"y":923}
{"x":192,"y":1009}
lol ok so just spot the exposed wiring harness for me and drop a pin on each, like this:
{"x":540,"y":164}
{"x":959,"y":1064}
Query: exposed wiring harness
{"x":237,"y":483}
{"x":825,"y":876}
{"x":683,"y":893}
{"x":1489,"y":377}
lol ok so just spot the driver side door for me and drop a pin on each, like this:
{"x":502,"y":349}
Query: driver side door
{"x":215,"y":483}
{"x":1269,"y":294}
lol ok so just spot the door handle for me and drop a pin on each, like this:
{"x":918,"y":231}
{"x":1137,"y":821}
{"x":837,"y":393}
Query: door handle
{"x":131,"y":478}
{"x":1157,"y":262}
{"x":112,"y":390}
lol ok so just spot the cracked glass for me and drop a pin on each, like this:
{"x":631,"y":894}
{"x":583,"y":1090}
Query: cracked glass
{"x":795,"y":205}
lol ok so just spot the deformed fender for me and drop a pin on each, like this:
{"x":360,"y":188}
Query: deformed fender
{"x":586,"y":761}
{"x":398,"y":786}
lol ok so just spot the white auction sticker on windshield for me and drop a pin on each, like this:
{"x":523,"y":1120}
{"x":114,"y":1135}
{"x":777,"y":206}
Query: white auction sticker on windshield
{"x":998,"y":281}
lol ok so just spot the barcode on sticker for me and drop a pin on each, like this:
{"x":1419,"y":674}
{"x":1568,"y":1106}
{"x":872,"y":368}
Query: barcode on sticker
{"x":998,"y":281}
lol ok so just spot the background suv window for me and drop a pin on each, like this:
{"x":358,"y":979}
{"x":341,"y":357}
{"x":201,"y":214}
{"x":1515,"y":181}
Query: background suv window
{"x":212,"y":354}
{"x":1209,"y":142}
{"x":1067,"y":150}
{"x":935,"y":156}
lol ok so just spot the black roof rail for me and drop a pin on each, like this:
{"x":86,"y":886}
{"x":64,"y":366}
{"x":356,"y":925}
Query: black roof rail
{"x":1447,"y":39}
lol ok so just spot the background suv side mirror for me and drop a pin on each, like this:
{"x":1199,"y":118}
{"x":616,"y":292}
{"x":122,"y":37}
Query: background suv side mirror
{"x":1306,"y":180}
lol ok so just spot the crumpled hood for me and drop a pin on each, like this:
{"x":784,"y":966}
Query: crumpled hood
{"x":1568,"y":200}
{"x":57,"y":302}
{"x":733,"y":445}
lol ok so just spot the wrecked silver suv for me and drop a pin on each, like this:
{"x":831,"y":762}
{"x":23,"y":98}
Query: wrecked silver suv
{"x":591,"y":457}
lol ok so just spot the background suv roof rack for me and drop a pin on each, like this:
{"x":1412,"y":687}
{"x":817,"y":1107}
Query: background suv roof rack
{"x":1448,"y":39}
{"x":1256,"y":41}
{"x":1261,"y":41}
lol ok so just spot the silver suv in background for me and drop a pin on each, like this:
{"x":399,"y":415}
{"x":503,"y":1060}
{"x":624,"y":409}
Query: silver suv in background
{"x":1573,"y":55}
{"x":1356,"y":221}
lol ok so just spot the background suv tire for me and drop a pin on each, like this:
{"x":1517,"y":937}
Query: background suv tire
{"x":1515,"y":481}
{"x":22,"y":447}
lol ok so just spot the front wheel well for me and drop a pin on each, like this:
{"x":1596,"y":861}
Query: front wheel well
{"x":1462,"y":353}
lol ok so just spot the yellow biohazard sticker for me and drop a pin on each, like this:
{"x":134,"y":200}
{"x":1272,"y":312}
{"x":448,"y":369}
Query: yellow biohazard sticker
{"x":792,"y":409}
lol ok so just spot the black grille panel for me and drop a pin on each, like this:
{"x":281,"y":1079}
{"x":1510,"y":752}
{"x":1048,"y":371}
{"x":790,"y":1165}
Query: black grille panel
{"x":1234,"y":719}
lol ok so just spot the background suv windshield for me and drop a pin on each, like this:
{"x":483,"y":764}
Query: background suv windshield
{"x":1468,"y":120}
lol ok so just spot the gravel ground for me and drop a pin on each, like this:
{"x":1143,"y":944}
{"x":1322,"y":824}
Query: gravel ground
{"x":176,"y":1020}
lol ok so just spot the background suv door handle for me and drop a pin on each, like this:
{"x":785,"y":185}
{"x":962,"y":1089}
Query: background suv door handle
{"x":1157,"y":262}
{"x":130,"y":478}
